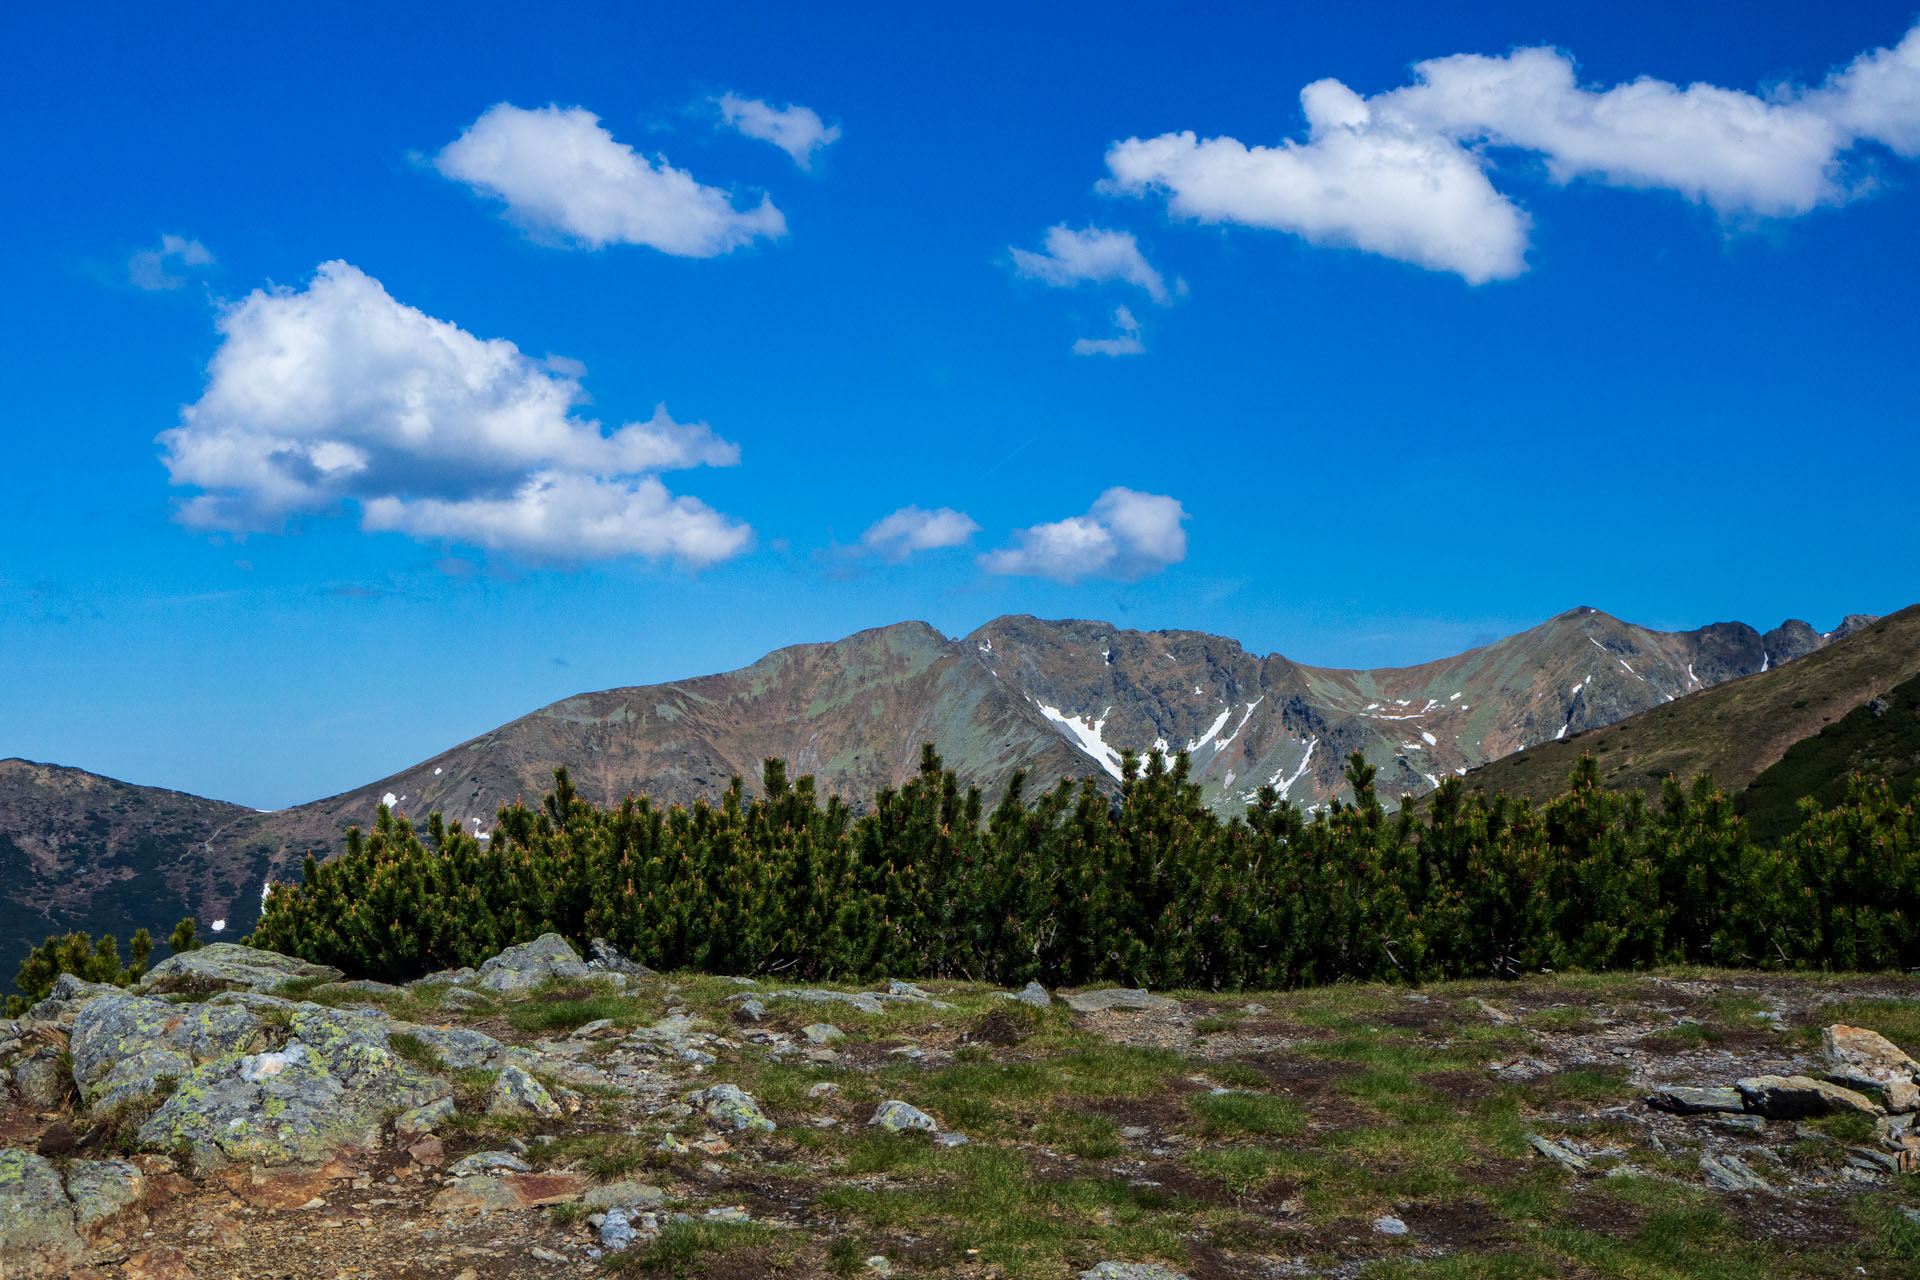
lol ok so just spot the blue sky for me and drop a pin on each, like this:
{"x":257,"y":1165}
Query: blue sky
{"x":337,"y":344}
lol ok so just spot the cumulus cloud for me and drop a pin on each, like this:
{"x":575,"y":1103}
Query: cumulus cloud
{"x":795,"y":129}
{"x":1125,"y":535}
{"x":1094,"y":255}
{"x":164,"y":268}
{"x":1125,"y":343}
{"x":1406,"y":173}
{"x":910,"y":529}
{"x":338,"y":394}
{"x":565,"y":180}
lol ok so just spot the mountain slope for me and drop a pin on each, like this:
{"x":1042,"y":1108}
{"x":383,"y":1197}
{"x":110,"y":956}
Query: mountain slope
{"x":1057,"y":699}
{"x":79,"y":851}
{"x":1733,"y":732}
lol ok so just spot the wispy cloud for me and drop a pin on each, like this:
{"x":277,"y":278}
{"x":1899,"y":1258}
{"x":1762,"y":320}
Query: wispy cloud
{"x":1092,"y":255}
{"x":156,"y":270}
{"x":565,"y":180}
{"x":1124,"y":343}
{"x":795,"y":129}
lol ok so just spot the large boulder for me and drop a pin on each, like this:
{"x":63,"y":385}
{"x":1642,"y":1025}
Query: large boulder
{"x":526,"y":966}
{"x":228,"y":966}
{"x":124,"y":1045}
{"x":1791,"y":1097}
{"x":1864,"y":1058}
{"x":66,"y":997}
{"x":37,"y":1235}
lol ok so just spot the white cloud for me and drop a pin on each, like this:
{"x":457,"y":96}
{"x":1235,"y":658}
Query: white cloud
{"x":910,"y":529}
{"x":1405,"y":174}
{"x":566,"y":180}
{"x":795,"y":129}
{"x":1094,"y":255}
{"x":1124,"y":535}
{"x":150,"y":268}
{"x":337,"y":393}
{"x":1125,"y":343}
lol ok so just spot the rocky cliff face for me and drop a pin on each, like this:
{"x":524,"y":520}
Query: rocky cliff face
{"x":1055,"y":699}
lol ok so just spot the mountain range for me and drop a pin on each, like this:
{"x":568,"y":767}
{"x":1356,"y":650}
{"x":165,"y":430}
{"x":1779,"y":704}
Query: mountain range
{"x":1054,"y":699}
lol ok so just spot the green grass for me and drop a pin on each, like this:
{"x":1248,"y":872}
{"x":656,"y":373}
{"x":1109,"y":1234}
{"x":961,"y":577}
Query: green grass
{"x":1240,"y":1114}
{"x":680,"y":1243}
{"x":1897,"y":1020}
{"x":567,"y":1006}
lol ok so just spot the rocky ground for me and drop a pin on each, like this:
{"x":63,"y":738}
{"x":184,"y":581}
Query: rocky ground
{"x":247,"y":1115}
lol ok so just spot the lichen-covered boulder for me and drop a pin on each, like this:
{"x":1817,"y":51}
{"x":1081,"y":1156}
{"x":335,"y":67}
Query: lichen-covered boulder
{"x":729,"y":1104}
{"x":99,"y":1189}
{"x":37,"y":1236}
{"x":896,"y":1116}
{"x":515,"y":1093}
{"x":228,"y":966}
{"x":124,"y":1045}
{"x":38,"y":1080}
{"x":458,"y":1047}
{"x":528,"y":965}
{"x":66,"y":997}
{"x":329,"y":1087}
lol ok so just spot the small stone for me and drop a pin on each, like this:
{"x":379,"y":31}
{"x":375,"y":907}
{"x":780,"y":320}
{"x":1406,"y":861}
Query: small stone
{"x":1561,"y":1155}
{"x":1032,"y":994}
{"x":824,"y":1089}
{"x":461,"y":998}
{"x":1130,"y":1271}
{"x":1731,"y":1173}
{"x":162,"y":1263}
{"x":750,"y":1009}
{"x":489,"y":1162}
{"x":429,"y":1152}
{"x":1134,"y":1132}
{"x":1258,"y":1010}
{"x":515,"y":1093}
{"x":1389,"y":1226}
{"x":1112,"y":998}
{"x":425,"y":1119}
{"x":624,"y":1196}
{"x":598,"y":1029}
{"x":1685,"y":1100}
{"x":728,"y":1213}
{"x":731,"y":1105}
{"x":672,"y":1146}
{"x":822,"y":1033}
{"x":539,"y":1254}
{"x":1499,"y":1016}
{"x":616,"y":1230}
{"x":1519,"y":1070}
{"x":895,"y":1117}
{"x":878,"y":1265}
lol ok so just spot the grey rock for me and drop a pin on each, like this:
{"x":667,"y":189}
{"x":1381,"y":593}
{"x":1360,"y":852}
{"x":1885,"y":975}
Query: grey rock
{"x":38,"y":1080}
{"x":896,"y":1116}
{"x":461,"y":998}
{"x":1258,"y":1009}
{"x":460,"y":1048}
{"x":728,"y":1213}
{"x":623,"y":1196}
{"x":1561,"y":1155}
{"x":1873,"y":1161}
{"x":123,"y":1045}
{"x":460,"y":975}
{"x":1790,"y":1097}
{"x":1032,"y":994}
{"x":1731,"y":1173}
{"x":1130,"y":1271}
{"x":616,"y":1231}
{"x":1134,"y":1132}
{"x":864,"y":1001}
{"x":228,"y":966}
{"x":424,"y":1119}
{"x":1389,"y":1226}
{"x":488,"y":1162}
{"x":515,"y":1093}
{"x":731,"y":1105}
{"x":67,"y":995}
{"x":822,"y":1033}
{"x":878,"y":1265}
{"x":599,"y":1028}
{"x":99,"y":1189}
{"x":330,"y":1086}
{"x":950,"y":1139}
{"x":526,"y":966}
{"x":1519,"y":1070}
{"x":824,"y":1089}
{"x":1684,"y":1100}
{"x":37,"y":1235}
{"x":604,"y":956}
{"x":1500,"y":1016}
{"x":1117,"y":998}
{"x":751,"y":1009}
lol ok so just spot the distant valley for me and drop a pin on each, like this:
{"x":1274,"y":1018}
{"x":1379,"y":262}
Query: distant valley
{"x":1054,"y":699}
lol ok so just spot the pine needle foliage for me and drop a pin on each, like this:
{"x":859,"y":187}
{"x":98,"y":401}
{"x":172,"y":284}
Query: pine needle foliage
{"x":1149,"y":888}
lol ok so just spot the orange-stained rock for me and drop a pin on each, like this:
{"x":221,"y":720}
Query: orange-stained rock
{"x":428,"y":1151}
{"x":483,"y":1193}
{"x":285,"y":1188}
